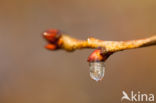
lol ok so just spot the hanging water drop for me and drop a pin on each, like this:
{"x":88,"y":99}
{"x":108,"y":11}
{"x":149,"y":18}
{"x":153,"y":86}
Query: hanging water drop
{"x":97,"y":70}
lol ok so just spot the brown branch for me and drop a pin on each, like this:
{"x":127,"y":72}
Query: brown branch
{"x":70,"y":44}
{"x":103,"y":49}
{"x":58,"y":40}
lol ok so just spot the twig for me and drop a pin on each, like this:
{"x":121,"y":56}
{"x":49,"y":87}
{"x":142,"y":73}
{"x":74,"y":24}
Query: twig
{"x":58,"y":40}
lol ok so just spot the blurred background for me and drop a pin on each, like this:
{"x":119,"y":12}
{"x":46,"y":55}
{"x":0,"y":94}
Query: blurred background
{"x":31,"y":74}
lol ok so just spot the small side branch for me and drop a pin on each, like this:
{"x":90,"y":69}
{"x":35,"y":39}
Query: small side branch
{"x":57,"y":40}
{"x":70,"y":44}
{"x":103,"y":49}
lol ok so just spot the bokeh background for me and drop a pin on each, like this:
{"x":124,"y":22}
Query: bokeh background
{"x":31,"y":74}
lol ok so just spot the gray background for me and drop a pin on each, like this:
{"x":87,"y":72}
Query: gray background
{"x":31,"y":74}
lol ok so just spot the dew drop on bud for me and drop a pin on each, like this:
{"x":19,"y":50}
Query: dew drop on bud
{"x":97,"y":70}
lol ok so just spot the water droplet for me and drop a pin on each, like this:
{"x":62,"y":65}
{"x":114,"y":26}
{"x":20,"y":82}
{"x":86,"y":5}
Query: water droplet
{"x":97,"y":70}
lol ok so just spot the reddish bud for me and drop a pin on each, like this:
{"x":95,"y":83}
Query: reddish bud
{"x":50,"y":46}
{"x":98,"y":55}
{"x":52,"y":35}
